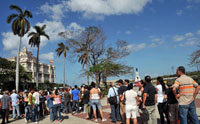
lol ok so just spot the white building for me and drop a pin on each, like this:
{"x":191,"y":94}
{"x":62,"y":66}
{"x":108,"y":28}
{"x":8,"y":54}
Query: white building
{"x":28,"y":61}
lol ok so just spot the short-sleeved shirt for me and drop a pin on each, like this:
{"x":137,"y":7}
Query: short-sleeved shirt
{"x":171,"y":99}
{"x":122,"y":89}
{"x":186,"y":86}
{"x":130,"y":96}
{"x":151,"y":92}
{"x":86,"y":97}
{"x":75,"y":94}
{"x":161,"y":94}
{"x":15,"y":99}
{"x":67,"y":97}
{"x":5,"y":100}
{"x":36,"y":95}
{"x":113,"y":92}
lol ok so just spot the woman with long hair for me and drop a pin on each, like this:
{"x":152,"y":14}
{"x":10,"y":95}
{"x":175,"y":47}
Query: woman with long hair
{"x":161,"y":100}
{"x":95,"y":101}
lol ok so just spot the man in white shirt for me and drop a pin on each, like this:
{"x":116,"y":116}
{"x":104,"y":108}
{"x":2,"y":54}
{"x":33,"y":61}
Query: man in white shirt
{"x":15,"y":104}
{"x":36,"y":96}
{"x":115,"y":108}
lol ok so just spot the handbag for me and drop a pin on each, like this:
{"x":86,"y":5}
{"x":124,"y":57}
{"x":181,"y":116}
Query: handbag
{"x":145,"y":115}
{"x":113,"y":99}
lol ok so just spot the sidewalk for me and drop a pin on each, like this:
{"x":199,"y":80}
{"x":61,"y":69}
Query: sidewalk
{"x":67,"y":119}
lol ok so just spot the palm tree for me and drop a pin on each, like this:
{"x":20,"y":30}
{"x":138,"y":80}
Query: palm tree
{"x":84,"y":57}
{"x":62,"y":48}
{"x":20,"y":26}
{"x":35,"y":41}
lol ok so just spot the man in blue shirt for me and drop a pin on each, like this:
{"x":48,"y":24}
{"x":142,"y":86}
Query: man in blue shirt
{"x":15,"y":104}
{"x":115,"y":108}
{"x":75,"y":98}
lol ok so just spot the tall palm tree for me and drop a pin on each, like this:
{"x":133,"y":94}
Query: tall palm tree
{"x":62,"y":48}
{"x":20,"y":26}
{"x":35,"y":41}
{"x":84,"y":57}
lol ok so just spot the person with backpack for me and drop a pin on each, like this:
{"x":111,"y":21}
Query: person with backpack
{"x":131,"y":100}
{"x":113,"y":99}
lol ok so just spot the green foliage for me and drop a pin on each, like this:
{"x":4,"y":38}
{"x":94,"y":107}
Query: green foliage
{"x":7,"y":72}
{"x":20,"y":24}
{"x":111,"y":69}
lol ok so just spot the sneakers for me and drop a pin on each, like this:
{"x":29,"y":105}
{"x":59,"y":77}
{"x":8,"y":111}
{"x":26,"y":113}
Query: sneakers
{"x":96,"y":120}
{"x":104,"y":119}
{"x":25,"y":120}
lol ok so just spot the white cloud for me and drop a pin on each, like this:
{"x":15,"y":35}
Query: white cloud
{"x":47,"y":56}
{"x":11,"y":41}
{"x":179,"y":12}
{"x":156,"y":39}
{"x":153,"y":45}
{"x":55,"y":12}
{"x":188,"y":43}
{"x":178,"y":38}
{"x":189,"y":6}
{"x":128,"y":32}
{"x":136,"y":47}
{"x":198,"y":32}
{"x":107,"y":7}
{"x":189,"y":34}
{"x":195,"y":1}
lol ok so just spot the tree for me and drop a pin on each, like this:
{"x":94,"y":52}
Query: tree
{"x":35,"y":41}
{"x":109,"y":65}
{"x":62,"y":48}
{"x":87,"y":45}
{"x":20,"y":26}
{"x":110,"y":69}
{"x":7,"y":73}
{"x":194,"y":59}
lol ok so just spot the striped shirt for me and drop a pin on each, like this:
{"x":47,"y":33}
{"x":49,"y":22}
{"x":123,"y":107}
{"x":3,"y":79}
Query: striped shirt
{"x":186,"y":86}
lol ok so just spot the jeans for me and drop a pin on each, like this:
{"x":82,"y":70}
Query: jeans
{"x":16,"y":108}
{"x":115,"y":112}
{"x":162,"y":109}
{"x":75,"y":105}
{"x":51,"y":114}
{"x":30,"y":114}
{"x":57,"y":111}
{"x":37,"y":112}
{"x":68,"y":106}
{"x":152,"y":115}
{"x":188,"y":110}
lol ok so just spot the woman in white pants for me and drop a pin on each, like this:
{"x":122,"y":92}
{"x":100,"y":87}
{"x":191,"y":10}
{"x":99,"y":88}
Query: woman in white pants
{"x":131,"y":100}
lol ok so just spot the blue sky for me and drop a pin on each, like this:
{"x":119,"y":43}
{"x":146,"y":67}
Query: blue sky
{"x":160,"y":33}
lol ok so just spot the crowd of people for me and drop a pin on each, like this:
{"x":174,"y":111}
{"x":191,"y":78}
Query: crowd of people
{"x":32,"y":105}
{"x":174,"y":101}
